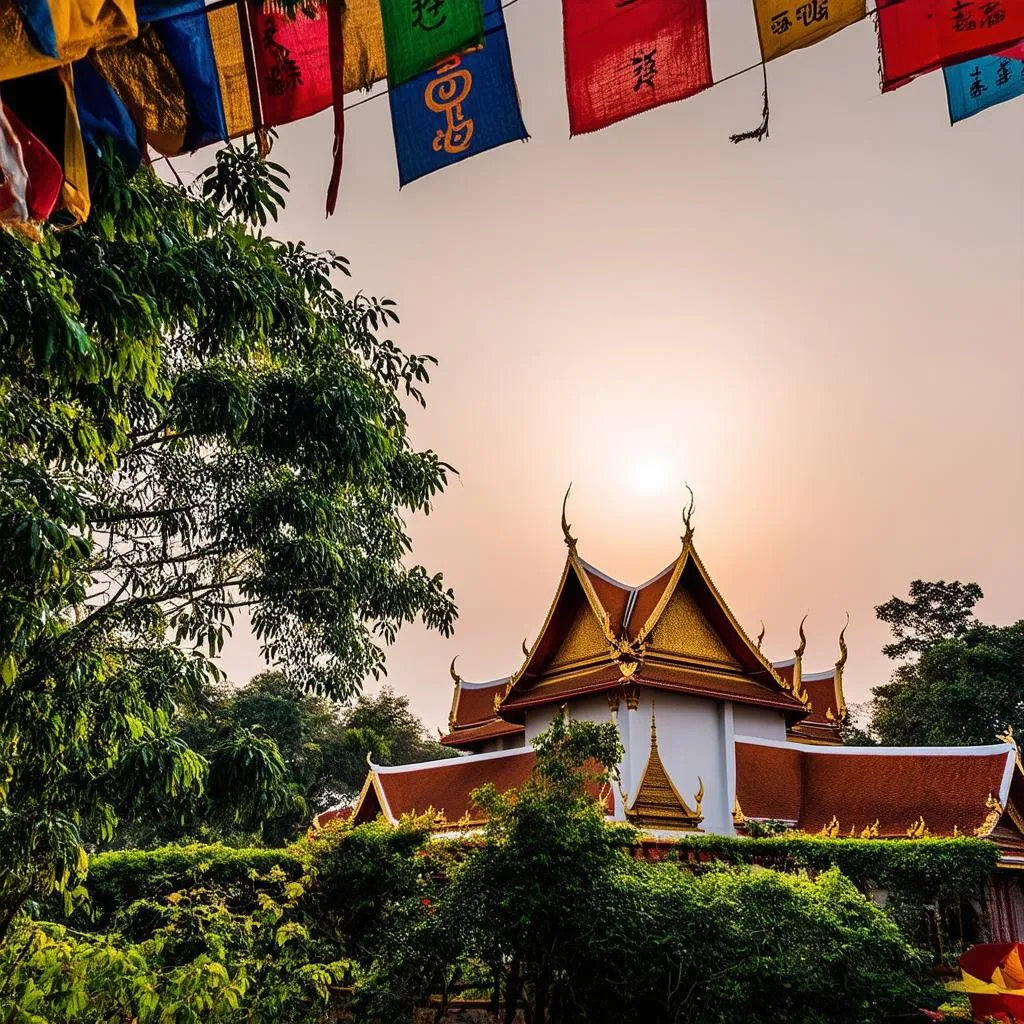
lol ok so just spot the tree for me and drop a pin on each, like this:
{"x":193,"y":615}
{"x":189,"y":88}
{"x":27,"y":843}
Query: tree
{"x":194,"y":421}
{"x":323,"y":748}
{"x":960,"y":691}
{"x":936,"y":611}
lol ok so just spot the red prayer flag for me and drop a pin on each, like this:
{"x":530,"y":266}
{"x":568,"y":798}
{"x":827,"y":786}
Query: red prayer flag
{"x":292,"y":61}
{"x":918,"y":36}
{"x":623,"y":57}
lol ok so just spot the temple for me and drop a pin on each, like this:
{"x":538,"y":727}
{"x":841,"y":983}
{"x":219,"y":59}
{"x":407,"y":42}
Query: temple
{"x":715,"y":735}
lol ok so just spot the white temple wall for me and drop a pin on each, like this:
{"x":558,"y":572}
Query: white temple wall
{"x":694,"y":740}
{"x":761,"y":723}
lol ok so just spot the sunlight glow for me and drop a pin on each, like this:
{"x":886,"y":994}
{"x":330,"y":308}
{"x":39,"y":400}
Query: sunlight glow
{"x":650,"y":477}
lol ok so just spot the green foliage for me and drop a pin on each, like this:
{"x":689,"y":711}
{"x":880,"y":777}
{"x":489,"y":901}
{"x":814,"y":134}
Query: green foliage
{"x":196,"y":957}
{"x":193,"y":421}
{"x":120,"y":878}
{"x":960,"y":691}
{"x":936,"y":611}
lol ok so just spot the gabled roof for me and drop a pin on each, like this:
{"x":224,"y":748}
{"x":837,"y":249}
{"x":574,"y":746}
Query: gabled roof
{"x":443,"y":787}
{"x":666,"y":632}
{"x":954,"y":790}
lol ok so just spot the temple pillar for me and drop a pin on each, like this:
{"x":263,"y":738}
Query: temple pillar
{"x":729,"y":753}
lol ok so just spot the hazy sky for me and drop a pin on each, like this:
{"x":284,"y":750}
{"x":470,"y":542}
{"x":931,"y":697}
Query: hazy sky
{"x":821,"y":333}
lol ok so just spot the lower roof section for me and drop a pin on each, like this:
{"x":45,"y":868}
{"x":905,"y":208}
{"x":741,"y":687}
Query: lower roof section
{"x":847,"y":790}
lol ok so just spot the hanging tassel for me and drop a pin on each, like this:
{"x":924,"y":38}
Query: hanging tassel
{"x":761,"y":131}
{"x":336,"y":46}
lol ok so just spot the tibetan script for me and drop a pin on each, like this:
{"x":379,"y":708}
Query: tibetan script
{"x":787,"y":25}
{"x":445,"y":94}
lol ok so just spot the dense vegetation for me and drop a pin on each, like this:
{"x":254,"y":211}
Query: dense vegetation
{"x":194,"y":423}
{"x":964,"y":682}
{"x":548,"y":910}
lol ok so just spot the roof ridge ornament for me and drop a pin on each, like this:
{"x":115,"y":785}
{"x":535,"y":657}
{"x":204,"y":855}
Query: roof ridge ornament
{"x":760,"y":636}
{"x":456,"y":678}
{"x":838,"y":677}
{"x":526,"y":650}
{"x":687,"y":537}
{"x":799,"y":652}
{"x":570,"y":540}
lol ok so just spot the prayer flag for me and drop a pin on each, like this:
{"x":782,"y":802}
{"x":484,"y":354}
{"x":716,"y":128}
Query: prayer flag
{"x":77,"y":27}
{"x":104,"y":117}
{"x":420,"y":33}
{"x":232,"y":51}
{"x":976,"y":85}
{"x":45,"y":104}
{"x":787,"y":25}
{"x":464,"y":106}
{"x":623,"y":57}
{"x":167,"y":78}
{"x":918,"y":36}
{"x":292,"y":58}
{"x":45,"y":177}
{"x":13,"y":175}
{"x":365,"y":61}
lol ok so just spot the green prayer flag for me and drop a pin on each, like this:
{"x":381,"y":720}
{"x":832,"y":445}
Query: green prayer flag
{"x":420,"y":33}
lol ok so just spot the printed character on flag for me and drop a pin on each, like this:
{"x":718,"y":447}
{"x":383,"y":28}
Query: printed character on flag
{"x":465,"y":105}
{"x":918,"y":36}
{"x":623,"y":57}
{"x":419,"y":33}
{"x":976,"y":85}
{"x":787,"y":25}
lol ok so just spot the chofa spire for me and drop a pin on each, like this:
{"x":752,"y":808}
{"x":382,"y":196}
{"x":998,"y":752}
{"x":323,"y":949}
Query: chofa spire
{"x":798,"y":682}
{"x":570,"y":540}
{"x":840,"y":665}
{"x":687,"y":537}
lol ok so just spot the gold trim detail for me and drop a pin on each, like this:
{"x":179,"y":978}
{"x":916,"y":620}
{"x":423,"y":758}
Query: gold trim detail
{"x":657,"y":803}
{"x":738,"y":817}
{"x":995,"y":812}
{"x":687,"y":537}
{"x":831,"y":830}
{"x":570,"y":540}
{"x":871,"y":831}
{"x":760,"y":636}
{"x":1015,"y":815}
{"x":614,"y":697}
{"x":632,"y":698}
{"x":838,"y":678}
{"x":918,"y":829}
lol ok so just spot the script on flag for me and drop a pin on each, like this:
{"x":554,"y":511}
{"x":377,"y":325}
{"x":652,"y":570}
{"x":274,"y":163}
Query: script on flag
{"x":464,"y":106}
{"x":419,"y":33}
{"x":787,"y":25}
{"x":623,"y":57}
{"x":918,"y":36}
{"x":978,"y":84}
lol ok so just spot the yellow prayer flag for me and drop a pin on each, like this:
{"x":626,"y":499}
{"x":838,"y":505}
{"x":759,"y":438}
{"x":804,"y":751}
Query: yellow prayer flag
{"x":363,"y":30}
{"x":226,"y":28}
{"x":74,"y":192}
{"x":79,"y":25}
{"x":786,"y":25}
{"x":142,"y":74}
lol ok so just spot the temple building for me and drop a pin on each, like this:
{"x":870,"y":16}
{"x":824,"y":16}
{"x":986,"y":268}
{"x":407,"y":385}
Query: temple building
{"x":714,"y":734}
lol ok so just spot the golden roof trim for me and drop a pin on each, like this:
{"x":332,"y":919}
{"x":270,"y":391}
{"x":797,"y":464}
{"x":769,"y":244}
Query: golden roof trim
{"x":995,"y":812}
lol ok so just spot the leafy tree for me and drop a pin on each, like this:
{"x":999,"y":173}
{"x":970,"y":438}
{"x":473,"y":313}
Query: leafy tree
{"x":960,"y":691}
{"x":193,"y":421}
{"x":936,"y":611}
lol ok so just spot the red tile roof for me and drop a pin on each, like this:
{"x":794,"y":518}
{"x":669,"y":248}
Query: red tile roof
{"x":443,"y":786}
{"x":647,"y":597}
{"x":473,"y":734}
{"x":474,"y":702}
{"x":720,"y":685}
{"x":809,"y":785}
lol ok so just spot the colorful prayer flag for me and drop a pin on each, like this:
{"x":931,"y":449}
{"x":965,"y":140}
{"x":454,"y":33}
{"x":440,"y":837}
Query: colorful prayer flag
{"x":787,"y":25}
{"x":623,"y":57}
{"x":365,"y":60}
{"x":420,"y":33}
{"x":232,"y":51}
{"x":104,"y":117}
{"x":978,"y":84}
{"x":292,"y":58}
{"x":918,"y":36}
{"x":464,"y":106}
{"x":75,"y":27}
{"x":167,"y":78}
{"x":45,"y":177}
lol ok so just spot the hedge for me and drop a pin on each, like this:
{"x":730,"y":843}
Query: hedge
{"x":119,"y":878}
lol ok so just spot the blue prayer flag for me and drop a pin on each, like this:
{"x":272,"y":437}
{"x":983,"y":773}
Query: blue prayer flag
{"x":38,"y":22}
{"x":102,"y":116}
{"x":465,"y":105}
{"x":976,"y":85}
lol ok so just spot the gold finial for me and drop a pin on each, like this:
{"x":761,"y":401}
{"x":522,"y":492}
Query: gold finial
{"x":654,"y":726}
{"x":456,"y":678}
{"x":368,"y":755}
{"x":831,"y":830}
{"x":1007,"y":737}
{"x":688,"y":517}
{"x":918,"y":829}
{"x":526,"y":650}
{"x":956,"y":831}
{"x":843,"y":652}
{"x":870,"y":831}
{"x":760,"y":636}
{"x":699,"y":797}
{"x":570,"y":540}
{"x":829,"y":715}
{"x":799,"y":652}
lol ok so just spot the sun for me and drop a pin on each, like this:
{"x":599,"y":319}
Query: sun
{"x":650,"y":477}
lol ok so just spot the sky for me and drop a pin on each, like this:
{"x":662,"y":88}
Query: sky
{"x":820,"y":333}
